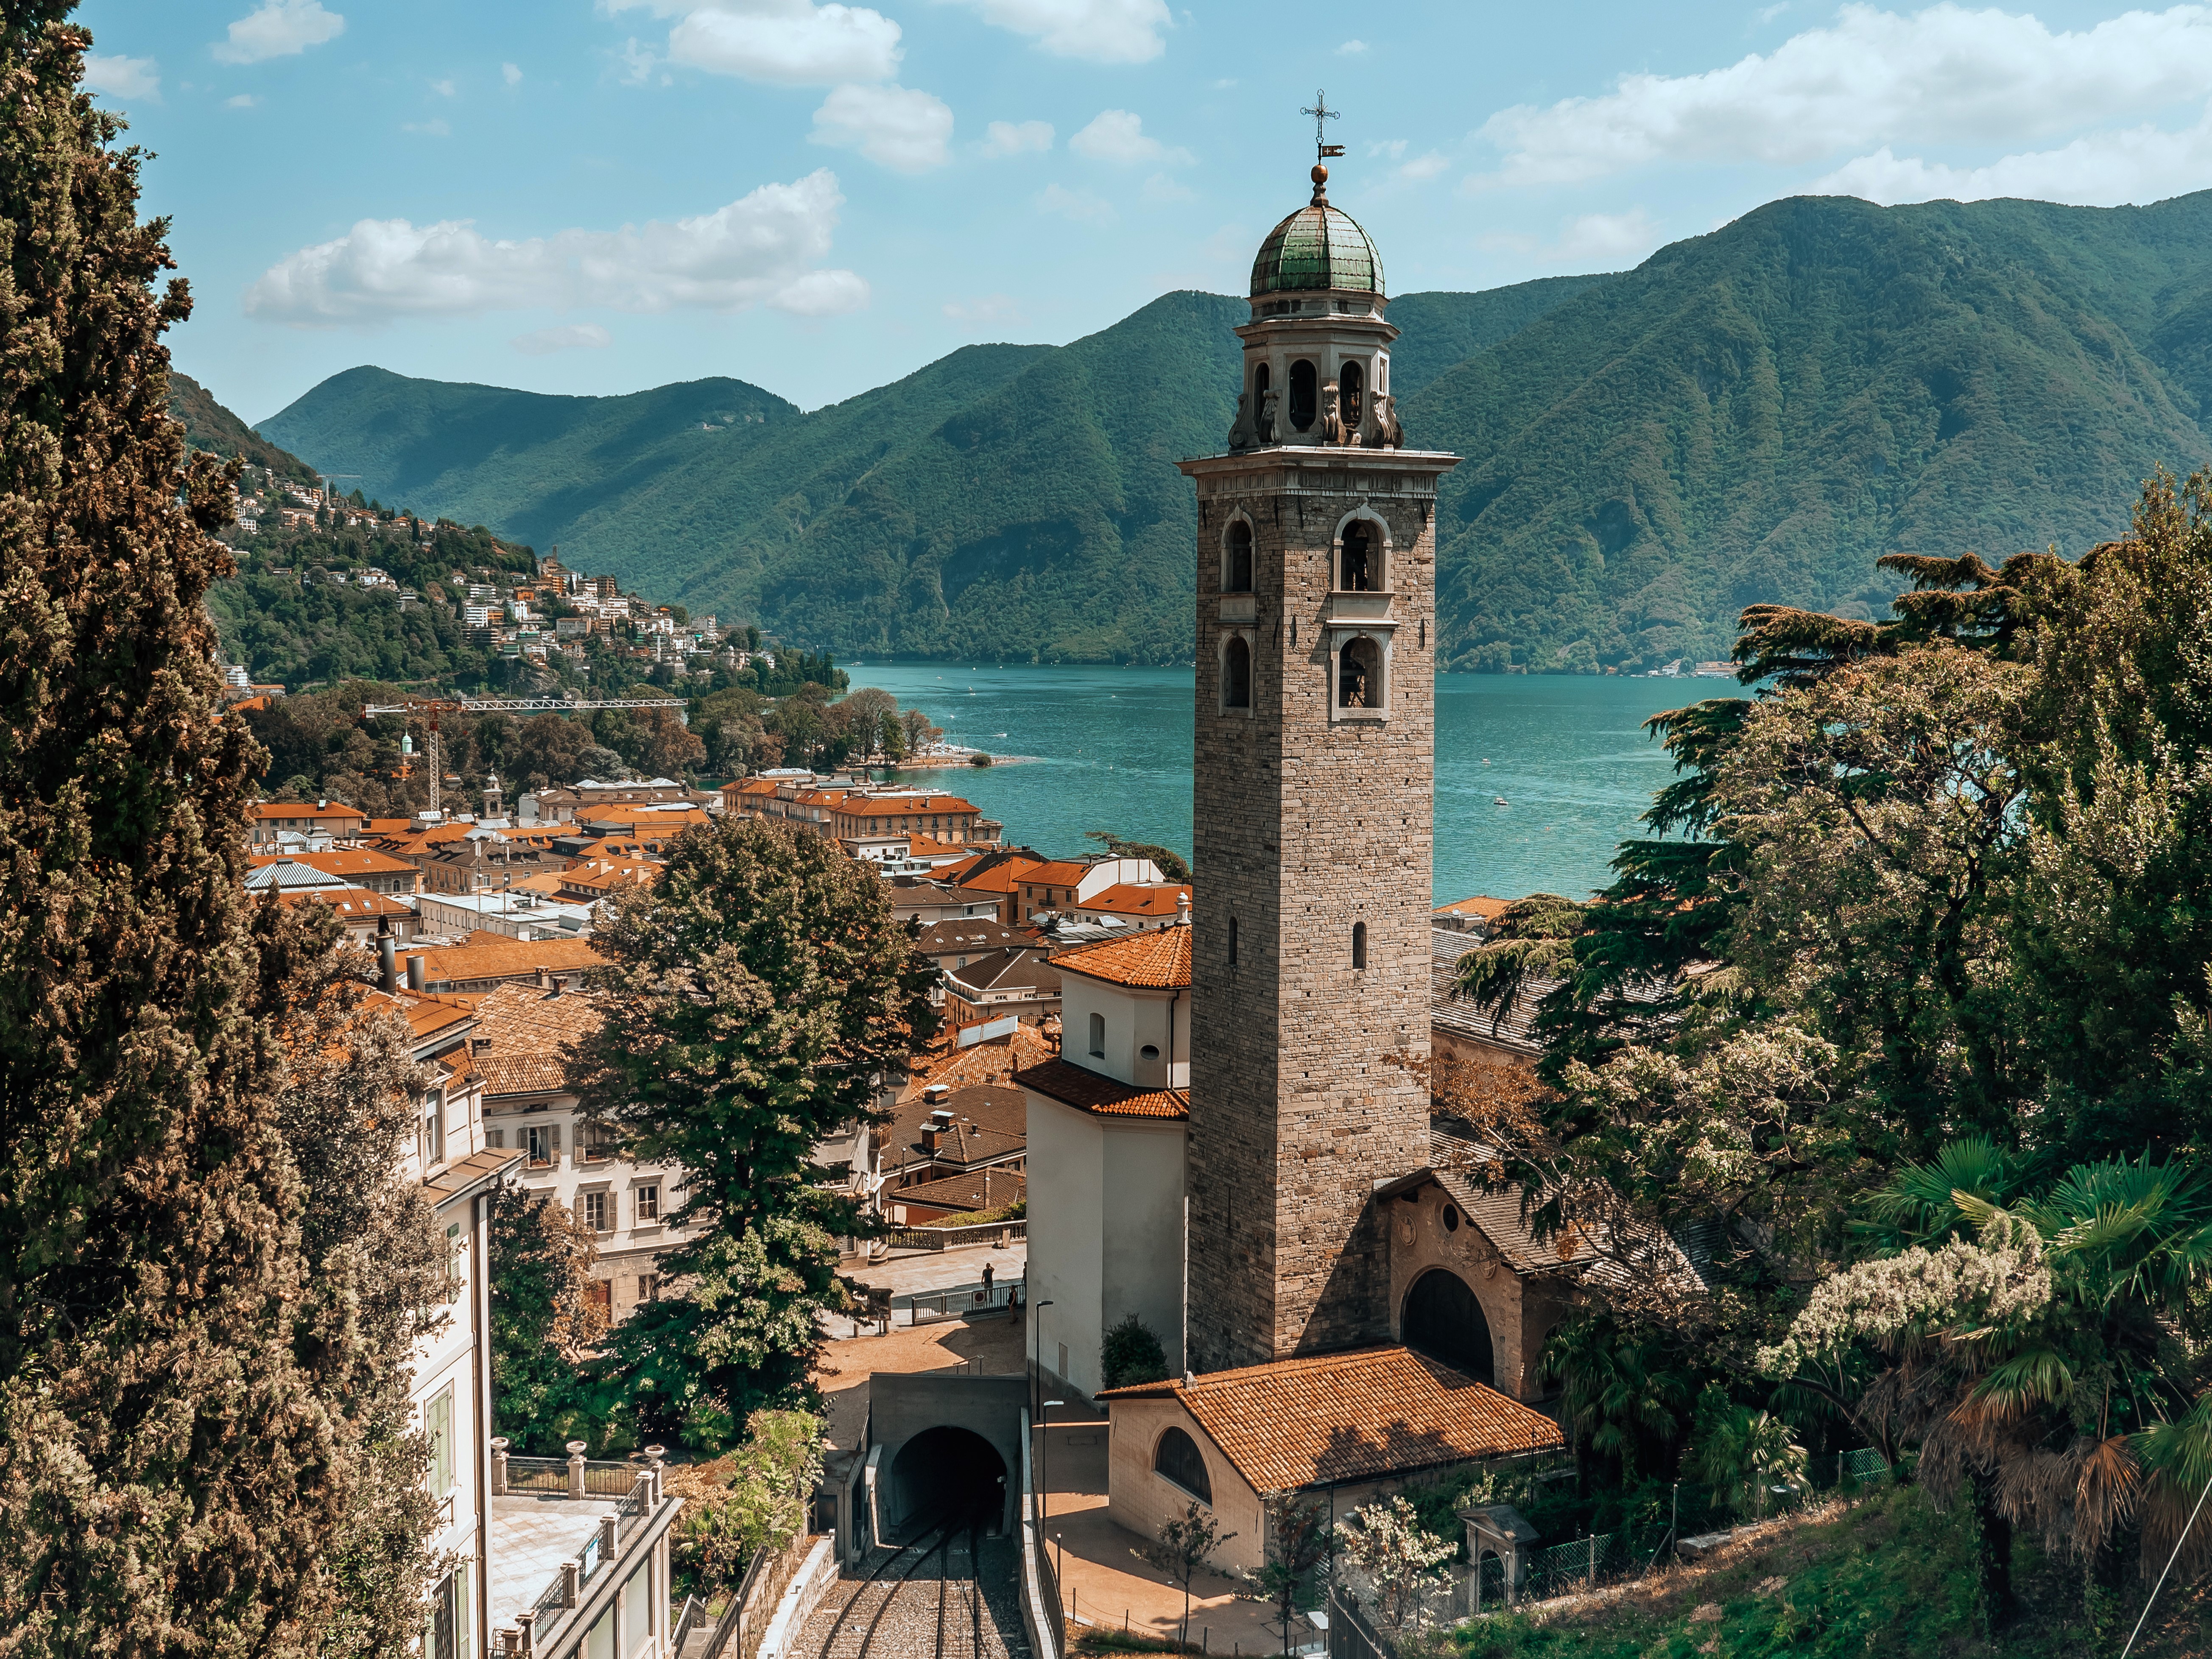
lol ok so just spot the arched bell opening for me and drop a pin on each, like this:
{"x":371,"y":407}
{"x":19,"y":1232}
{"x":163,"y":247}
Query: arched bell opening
{"x":1444,"y":1320}
{"x":1359,"y":563}
{"x":1359,"y":675}
{"x":1236,"y":558}
{"x":1305,"y":394}
{"x":1351,"y":387}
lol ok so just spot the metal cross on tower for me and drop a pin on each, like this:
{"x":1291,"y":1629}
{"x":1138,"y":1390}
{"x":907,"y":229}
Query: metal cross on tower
{"x":1322,"y":113}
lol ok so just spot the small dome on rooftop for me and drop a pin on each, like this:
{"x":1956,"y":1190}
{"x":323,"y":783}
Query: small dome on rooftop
{"x":1319,"y":246}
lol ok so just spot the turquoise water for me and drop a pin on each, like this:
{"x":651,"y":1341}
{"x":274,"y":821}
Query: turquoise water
{"x":1112,"y":751}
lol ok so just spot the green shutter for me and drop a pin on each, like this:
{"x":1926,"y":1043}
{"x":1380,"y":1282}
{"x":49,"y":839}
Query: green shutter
{"x":438,"y":1426}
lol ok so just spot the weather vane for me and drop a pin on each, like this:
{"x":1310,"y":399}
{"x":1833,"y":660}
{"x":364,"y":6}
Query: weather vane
{"x":1321,"y":113}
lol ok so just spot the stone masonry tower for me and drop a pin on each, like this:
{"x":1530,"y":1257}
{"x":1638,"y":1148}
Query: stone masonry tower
{"x":1314,"y":808}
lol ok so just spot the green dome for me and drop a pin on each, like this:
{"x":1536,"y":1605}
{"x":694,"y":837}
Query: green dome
{"x":1316,"y":247}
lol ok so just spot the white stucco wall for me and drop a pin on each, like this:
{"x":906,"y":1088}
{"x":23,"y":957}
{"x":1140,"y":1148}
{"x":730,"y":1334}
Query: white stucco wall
{"x":1133,"y":1019}
{"x":1067,"y":1236}
{"x":1105,"y":1232}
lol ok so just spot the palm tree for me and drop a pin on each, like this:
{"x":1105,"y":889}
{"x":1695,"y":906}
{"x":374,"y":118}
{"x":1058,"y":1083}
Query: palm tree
{"x":1620,"y":1391}
{"x":2027,"y":1343}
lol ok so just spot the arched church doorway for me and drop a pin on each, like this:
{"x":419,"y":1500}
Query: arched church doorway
{"x":942,"y":1474}
{"x":1445,"y":1321}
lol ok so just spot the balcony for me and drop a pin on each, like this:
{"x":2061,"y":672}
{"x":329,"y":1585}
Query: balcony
{"x":1345,"y":606}
{"x":566,"y":1535}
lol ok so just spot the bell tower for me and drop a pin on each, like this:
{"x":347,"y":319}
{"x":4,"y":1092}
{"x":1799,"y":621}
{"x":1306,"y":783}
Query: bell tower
{"x":1313,"y":811}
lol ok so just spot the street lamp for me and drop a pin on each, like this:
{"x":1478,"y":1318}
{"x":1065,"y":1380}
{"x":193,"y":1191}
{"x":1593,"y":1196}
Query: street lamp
{"x":1037,"y":1349}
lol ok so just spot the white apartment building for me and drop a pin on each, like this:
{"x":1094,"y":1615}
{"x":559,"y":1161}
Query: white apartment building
{"x":530,"y":1106}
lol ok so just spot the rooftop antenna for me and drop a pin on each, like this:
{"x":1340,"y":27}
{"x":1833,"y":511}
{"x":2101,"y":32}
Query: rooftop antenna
{"x":1322,"y":148}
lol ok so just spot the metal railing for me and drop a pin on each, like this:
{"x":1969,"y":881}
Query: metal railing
{"x":949,"y":1238}
{"x":956,"y":1302}
{"x":694,"y":1613}
{"x":603,"y":1477}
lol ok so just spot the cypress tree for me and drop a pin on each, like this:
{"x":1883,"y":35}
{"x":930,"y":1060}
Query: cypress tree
{"x":171,"y":1469}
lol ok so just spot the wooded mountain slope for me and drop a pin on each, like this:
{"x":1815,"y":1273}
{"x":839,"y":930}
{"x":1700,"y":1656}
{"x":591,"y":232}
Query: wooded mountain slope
{"x":1001,"y":502}
{"x":1756,"y":414}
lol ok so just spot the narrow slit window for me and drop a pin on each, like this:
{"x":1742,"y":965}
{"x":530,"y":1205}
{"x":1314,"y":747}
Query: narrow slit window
{"x":1358,"y":944}
{"x":1236,"y":673}
{"x":1237,"y":571}
{"x":1098,"y":1036}
{"x":1232,"y":941}
{"x":1352,"y":384}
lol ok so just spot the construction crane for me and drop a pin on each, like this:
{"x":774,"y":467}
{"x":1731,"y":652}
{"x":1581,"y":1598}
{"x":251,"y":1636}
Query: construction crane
{"x":431,"y":708}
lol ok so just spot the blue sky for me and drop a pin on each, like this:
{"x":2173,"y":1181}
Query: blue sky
{"x":597,"y":195}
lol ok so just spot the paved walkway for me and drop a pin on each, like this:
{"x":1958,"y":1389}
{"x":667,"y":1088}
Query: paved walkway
{"x":1104,"y":1578}
{"x":909,"y":1274}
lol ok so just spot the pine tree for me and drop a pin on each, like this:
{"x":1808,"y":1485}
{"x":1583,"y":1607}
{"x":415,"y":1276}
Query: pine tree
{"x":759,"y":995}
{"x":173,"y":1466}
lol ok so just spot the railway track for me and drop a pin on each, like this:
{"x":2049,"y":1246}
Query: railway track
{"x":890,"y":1615}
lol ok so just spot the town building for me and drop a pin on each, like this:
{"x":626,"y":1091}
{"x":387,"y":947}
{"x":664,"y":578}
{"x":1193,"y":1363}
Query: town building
{"x":1470,"y":916}
{"x":365,"y":916}
{"x":519,"y":1052}
{"x":269,"y":818}
{"x":351,"y":866}
{"x":1018,"y":984}
{"x":1071,"y":884}
{"x":516,"y":912}
{"x":489,"y":961}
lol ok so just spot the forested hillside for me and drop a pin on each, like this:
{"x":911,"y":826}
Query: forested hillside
{"x":1753,"y":415}
{"x":1001,"y":502}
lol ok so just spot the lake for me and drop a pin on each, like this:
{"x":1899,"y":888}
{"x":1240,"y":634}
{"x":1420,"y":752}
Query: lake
{"x":1112,"y":750}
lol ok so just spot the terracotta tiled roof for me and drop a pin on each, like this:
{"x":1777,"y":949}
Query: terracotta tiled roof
{"x":1135,"y":899}
{"x":962,"y":1192}
{"x":992,"y":872}
{"x":1057,"y":872}
{"x":989,"y":1122}
{"x":599,"y":877}
{"x":509,"y":958}
{"x":390,"y":826}
{"x":526,"y":1029}
{"x":1479,"y":905}
{"x":968,"y":935}
{"x":905,"y":806}
{"x":1072,"y":1086}
{"x":985,"y":1062}
{"x":426,"y":1015}
{"x":1157,"y":959}
{"x":1014,"y":969}
{"x":299,"y":809}
{"x":351,"y":903}
{"x":1299,"y":1423}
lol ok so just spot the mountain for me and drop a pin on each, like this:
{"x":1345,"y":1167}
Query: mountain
{"x":1756,"y":414}
{"x":1759,"y":413}
{"x":208,"y":425}
{"x":1004,"y":501}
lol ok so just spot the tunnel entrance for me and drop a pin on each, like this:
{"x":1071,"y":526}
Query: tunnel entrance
{"x":946,"y":1474}
{"x":1445,"y":1321}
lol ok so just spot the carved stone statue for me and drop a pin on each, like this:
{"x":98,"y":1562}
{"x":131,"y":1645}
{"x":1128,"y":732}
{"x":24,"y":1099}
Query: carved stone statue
{"x":1270,"y":407}
{"x":1389,"y":434}
{"x":1240,"y":429}
{"x":1331,"y":415}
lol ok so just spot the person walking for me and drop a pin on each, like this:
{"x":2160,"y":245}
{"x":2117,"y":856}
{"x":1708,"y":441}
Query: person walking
{"x":990,"y":1272}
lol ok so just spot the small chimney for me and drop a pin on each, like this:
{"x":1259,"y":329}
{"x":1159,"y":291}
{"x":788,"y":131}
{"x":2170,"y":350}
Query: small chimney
{"x":1182,"y":909}
{"x":936,"y":1093}
{"x":544,"y":979}
{"x":414,"y":972}
{"x":386,"y":957}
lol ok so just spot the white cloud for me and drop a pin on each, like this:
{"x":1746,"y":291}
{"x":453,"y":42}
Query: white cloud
{"x":1079,"y":205}
{"x":242,"y":101}
{"x":1119,"y":136}
{"x":1423,"y":168}
{"x":1872,"y":77}
{"x":788,"y":42}
{"x":1102,"y":31}
{"x":1596,"y":240}
{"x":1352,"y":49}
{"x":1394,"y":148}
{"x":282,"y":28}
{"x":443,"y":89}
{"x":431,"y":129}
{"x":637,"y":62}
{"x":511,"y":73}
{"x":895,"y":126}
{"x":2101,"y":169}
{"x":570,"y":336}
{"x":1161,"y":188}
{"x":1017,"y":137}
{"x":122,"y":77}
{"x":986,"y":311}
{"x":763,"y":249}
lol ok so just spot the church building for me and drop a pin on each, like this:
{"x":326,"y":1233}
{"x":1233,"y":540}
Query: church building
{"x":1249,"y":1164}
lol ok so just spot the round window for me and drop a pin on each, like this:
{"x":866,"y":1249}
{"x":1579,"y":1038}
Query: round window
{"x":1451,"y":1219}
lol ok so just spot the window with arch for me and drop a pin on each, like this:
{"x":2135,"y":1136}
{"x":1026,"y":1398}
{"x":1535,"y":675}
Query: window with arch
{"x":1236,"y":672}
{"x":1358,"y":944}
{"x":1359,"y":565}
{"x":1359,"y":676}
{"x":1098,"y":1036}
{"x":1352,"y":388}
{"x":1305,"y":394}
{"x":1176,"y":1459}
{"x":1261,"y":382}
{"x":1236,"y":558}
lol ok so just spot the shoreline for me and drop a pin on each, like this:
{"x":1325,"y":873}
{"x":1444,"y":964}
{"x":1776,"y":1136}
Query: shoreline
{"x":934,"y":762}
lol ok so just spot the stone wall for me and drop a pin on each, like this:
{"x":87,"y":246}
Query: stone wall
{"x":1307,"y":822}
{"x":1520,"y":1311}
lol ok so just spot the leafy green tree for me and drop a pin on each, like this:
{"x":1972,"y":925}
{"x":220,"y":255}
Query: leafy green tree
{"x":1625,"y":1391}
{"x":1180,"y":1549}
{"x":756,"y":996}
{"x":2024,"y":1339}
{"x":1298,"y":1538}
{"x":1384,"y":1543}
{"x":545,"y":1325}
{"x":755,"y":1499}
{"x":189,"y":1398}
{"x":1172,"y":865}
{"x":1742,"y":1454}
{"x":1131,"y":1353}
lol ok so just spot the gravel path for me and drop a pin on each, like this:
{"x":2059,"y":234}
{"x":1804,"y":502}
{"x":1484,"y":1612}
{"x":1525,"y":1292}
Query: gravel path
{"x":913,"y":1605}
